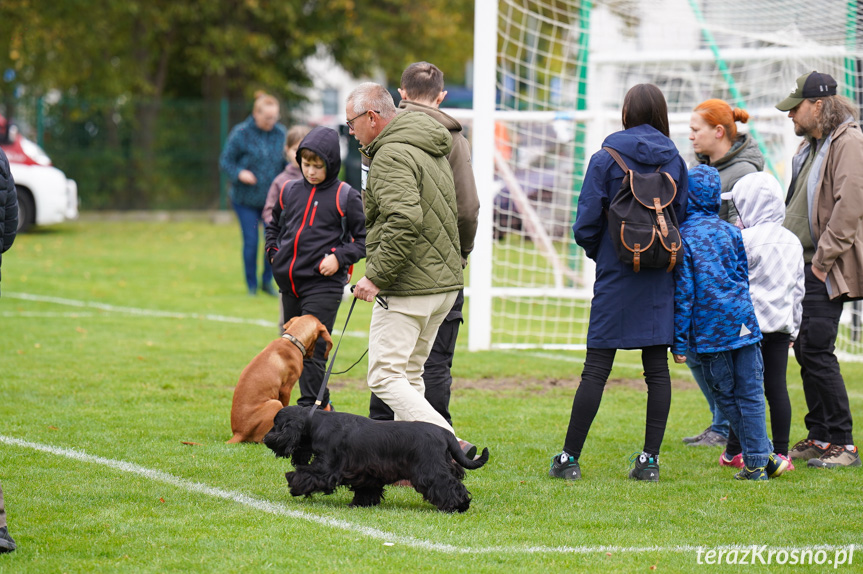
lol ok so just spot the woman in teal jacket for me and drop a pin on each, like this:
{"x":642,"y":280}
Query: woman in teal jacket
{"x":252,"y":158}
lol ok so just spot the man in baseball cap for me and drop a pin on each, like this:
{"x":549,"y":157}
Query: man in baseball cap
{"x":811,"y":85}
{"x":823,"y":209}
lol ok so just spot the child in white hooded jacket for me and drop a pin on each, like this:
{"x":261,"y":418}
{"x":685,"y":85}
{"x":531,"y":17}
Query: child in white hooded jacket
{"x":775,"y":258}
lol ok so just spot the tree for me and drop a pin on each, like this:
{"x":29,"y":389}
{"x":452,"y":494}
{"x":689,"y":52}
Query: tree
{"x":122,"y":54}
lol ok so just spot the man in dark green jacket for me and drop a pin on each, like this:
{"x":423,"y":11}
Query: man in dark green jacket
{"x":413,"y":255}
{"x":422,"y":90}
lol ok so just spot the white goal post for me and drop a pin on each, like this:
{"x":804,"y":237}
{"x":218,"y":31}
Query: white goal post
{"x":549,"y":78}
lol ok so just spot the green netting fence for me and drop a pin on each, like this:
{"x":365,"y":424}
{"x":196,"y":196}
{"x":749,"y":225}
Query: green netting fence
{"x":136,"y":153}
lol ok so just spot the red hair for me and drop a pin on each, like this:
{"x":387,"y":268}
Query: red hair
{"x":718,"y":113}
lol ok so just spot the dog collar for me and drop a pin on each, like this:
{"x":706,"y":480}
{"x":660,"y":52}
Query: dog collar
{"x":296,"y":342}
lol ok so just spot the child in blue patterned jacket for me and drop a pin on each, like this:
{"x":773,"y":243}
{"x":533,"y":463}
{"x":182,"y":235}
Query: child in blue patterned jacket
{"x":714,"y":317}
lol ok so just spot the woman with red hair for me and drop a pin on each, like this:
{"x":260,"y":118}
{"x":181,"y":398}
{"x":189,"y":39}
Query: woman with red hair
{"x":716,"y":142}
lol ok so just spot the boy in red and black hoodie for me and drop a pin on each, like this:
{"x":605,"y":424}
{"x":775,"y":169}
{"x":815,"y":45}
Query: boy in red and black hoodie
{"x":317,"y":233}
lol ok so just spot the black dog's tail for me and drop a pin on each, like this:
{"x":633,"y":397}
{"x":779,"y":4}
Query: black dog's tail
{"x":459,"y":456}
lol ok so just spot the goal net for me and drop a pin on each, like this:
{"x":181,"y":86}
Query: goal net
{"x":562,"y":68}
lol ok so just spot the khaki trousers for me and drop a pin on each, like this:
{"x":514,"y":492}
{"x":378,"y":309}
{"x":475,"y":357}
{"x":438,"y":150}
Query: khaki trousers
{"x":400,"y":340}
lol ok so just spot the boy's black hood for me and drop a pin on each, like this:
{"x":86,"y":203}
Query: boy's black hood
{"x":324,"y":142}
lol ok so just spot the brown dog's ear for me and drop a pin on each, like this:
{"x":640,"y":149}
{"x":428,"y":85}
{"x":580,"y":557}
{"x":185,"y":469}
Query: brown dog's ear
{"x":323,"y":333}
{"x":289,"y":323}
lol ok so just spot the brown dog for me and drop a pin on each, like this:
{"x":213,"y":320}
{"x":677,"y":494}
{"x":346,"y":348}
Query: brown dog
{"x":266,"y":383}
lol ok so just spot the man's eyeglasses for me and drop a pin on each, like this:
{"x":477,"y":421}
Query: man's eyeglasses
{"x":351,"y":121}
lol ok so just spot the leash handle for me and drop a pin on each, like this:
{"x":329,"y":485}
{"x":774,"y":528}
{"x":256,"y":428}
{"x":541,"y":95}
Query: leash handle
{"x":321,"y":392}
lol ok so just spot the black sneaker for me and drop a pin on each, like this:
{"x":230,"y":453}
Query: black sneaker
{"x":564,"y":466}
{"x":6,"y":542}
{"x":646,"y":467}
{"x":752,"y":474}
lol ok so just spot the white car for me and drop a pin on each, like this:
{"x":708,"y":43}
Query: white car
{"x":45,"y":195}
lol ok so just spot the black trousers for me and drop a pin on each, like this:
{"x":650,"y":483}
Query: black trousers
{"x":437,"y":374}
{"x":597,"y":368}
{"x":774,"y":352}
{"x":324,"y":306}
{"x":829,"y":417}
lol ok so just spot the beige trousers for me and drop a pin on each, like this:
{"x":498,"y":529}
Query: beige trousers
{"x":400,"y":340}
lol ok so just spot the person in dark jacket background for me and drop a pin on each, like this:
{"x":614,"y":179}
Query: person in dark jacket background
{"x":8,"y":230}
{"x":317,"y":232}
{"x":8,"y":206}
{"x":252,"y":158}
{"x":629,"y":310}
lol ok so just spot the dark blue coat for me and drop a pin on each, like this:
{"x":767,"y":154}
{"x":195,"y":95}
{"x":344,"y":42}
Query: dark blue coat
{"x":629,"y":310}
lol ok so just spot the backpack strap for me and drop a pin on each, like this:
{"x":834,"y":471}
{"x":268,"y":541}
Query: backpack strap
{"x":283,"y":216}
{"x":281,"y":194}
{"x":339,"y":199}
{"x":616,"y":156}
{"x":344,"y":221}
{"x":344,"y":218}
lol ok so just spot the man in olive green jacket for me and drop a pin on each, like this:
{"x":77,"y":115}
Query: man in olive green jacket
{"x":824,"y":209}
{"x":413,"y":255}
{"x":422,"y":90}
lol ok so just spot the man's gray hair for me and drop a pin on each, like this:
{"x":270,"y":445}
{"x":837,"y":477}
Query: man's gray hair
{"x":834,"y":111}
{"x":371,"y":96}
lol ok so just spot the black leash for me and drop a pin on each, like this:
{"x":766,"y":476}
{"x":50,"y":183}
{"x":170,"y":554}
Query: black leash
{"x":321,"y":392}
{"x":383,"y":303}
{"x":357,"y":362}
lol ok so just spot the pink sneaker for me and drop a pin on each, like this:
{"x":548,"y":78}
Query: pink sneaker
{"x":736,"y":461}
{"x":790,"y":464}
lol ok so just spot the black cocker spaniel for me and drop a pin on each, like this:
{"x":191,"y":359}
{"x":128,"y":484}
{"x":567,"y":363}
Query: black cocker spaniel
{"x":331,"y":449}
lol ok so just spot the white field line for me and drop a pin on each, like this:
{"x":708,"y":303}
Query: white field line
{"x":47,"y":314}
{"x":137,"y":311}
{"x":387,"y":538}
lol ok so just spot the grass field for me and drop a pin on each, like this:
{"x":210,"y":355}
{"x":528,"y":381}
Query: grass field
{"x":120,"y":347}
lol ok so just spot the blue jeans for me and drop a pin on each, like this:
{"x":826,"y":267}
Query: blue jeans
{"x":718,"y":424}
{"x":250,"y":220}
{"x":736,"y":378}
